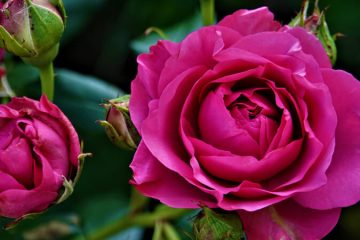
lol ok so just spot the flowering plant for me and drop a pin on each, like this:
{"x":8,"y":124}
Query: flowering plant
{"x":238,"y":124}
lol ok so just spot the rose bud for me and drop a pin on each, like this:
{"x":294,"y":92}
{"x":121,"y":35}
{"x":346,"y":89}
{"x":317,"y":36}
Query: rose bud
{"x":118,"y":125}
{"x":316,"y":24}
{"x":40,"y":158}
{"x":32,"y":29}
{"x":212,"y":225}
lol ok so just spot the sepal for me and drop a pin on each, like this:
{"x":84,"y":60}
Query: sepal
{"x":118,"y":125}
{"x":213,"y":224}
{"x":316,"y":24}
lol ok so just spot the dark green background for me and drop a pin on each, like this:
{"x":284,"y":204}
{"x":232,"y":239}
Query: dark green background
{"x":98,"y":35}
{"x":99,"y":41}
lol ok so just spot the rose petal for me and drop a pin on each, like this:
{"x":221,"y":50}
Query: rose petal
{"x":8,"y":182}
{"x":52,"y":148}
{"x":288,"y":220}
{"x":15,"y":203}
{"x":343,"y":186}
{"x":225,"y":57}
{"x":26,"y":129}
{"x":222,"y":187}
{"x":17,"y":161}
{"x":73,"y":143}
{"x":44,"y":109}
{"x":255,"y":43}
{"x":45,"y":177}
{"x":7,"y":133}
{"x":298,"y":176}
{"x":318,"y":106}
{"x":232,"y":203}
{"x":189,"y":125}
{"x":139,"y":101}
{"x":160,"y":131}
{"x":155,"y":180}
{"x":310,"y":45}
{"x":248,"y":22}
{"x":23,"y":105}
{"x":219,"y":128}
{"x":238,"y":168}
{"x":143,"y":88}
{"x":152,"y":64}
{"x":197,"y":49}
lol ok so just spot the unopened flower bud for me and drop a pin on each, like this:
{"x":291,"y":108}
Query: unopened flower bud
{"x":118,"y":124}
{"x":316,"y":24}
{"x":213,"y":225}
{"x":31,"y":29}
{"x":41,"y":161}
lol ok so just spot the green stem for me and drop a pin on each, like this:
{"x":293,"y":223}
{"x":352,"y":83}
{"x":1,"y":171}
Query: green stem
{"x":208,"y":11}
{"x":138,"y":202}
{"x":47,"y":80}
{"x":170,"y":232}
{"x":158,"y":31}
{"x":142,"y":220}
{"x":158,"y":231}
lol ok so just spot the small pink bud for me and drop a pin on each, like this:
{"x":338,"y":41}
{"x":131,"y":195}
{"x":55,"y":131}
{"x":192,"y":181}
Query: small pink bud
{"x":118,"y":124}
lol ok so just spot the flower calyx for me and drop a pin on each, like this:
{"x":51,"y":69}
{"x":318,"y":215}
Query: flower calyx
{"x":316,"y":24}
{"x":118,"y":124}
{"x":213,"y":224}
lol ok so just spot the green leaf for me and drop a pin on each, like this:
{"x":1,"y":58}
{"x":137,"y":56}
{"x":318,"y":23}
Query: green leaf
{"x":84,"y":86}
{"x":20,"y":76}
{"x":80,"y":96}
{"x":175,"y":33}
{"x":102,"y":209}
{"x":102,"y":193}
{"x":129,"y":234}
{"x":65,"y":226}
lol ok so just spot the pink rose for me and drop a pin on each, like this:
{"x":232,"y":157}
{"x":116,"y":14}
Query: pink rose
{"x":247,"y":115}
{"x":38,"y":149}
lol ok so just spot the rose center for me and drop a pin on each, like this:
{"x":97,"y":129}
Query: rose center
{"x":253,"y":113}
{"x":258,"y":116}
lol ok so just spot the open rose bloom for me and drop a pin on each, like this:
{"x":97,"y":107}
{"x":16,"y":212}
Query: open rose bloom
{"x":249,"y":116}
{"x":39,"y":150}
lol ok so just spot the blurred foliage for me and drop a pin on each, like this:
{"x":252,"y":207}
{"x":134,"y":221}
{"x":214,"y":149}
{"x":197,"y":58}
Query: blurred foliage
{"x":99,"y":33}
{"x":100,"y":40}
